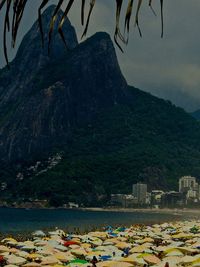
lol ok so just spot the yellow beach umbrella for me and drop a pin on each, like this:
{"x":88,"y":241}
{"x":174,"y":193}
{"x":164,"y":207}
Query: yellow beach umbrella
{"x":123,"y":245}
{"x":32,"y":264}
{"x":79,"y":252}
{"x":151,"y":259}
{"x":182,"y":236}
{"x":138,"y":249}
{"x":113,"y":264}
{"x":61,"y":256}
{"x":134,"y":259}
{"x":119,"y":264}
{"x":173,"y":252}
{"x":186,"y":260}
{"x":4,"y":249}
{"x":34,"y":256}
{"x":102,"y":235}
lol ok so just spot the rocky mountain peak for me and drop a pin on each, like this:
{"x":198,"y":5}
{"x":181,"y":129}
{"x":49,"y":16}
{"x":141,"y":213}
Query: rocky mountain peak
{"x":43,"y":99}
{"x":31,"y":52}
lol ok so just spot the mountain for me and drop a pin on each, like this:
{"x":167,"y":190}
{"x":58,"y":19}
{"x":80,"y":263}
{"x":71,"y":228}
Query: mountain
{"x":72,"y":129}
{"x":196,"y":114}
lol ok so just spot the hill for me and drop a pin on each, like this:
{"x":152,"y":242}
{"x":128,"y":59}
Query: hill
{"x":196,"y":114}
{"x":71,"y":129}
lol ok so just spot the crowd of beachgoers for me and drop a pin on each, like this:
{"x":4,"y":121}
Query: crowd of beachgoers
{"x":163,"y":245}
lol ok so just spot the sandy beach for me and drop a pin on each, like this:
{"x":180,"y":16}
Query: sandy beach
{"x":167,"y":244}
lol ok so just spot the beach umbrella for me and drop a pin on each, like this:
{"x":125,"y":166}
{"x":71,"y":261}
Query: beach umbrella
{"x":28,"y":248}
{"x":61,"y":248}
{"x":57,"y":232}
{"x":97,"y":242}
{"x":74,"y":247}
{"x":188,"y":250}
{"x":50,"y":260}
{"x":151,"y":259}
{"x":32,"y":264}
{"x":78,"y":261}
{"x":39,"y":233}
{"x":196,"y":260}
{"x":34,"y":256}
{"x":63,"y":257}
{"x":113,"y":264}
{"x":52,"y":244}
{"x":4,"y":249}
{"x":22,"y":254}
{"x":13,"y":250}
{"x":69,"y":243}
{"x":182,"y":236}
{"x":123,"y":245}
{"x":40,"y":243}
{"x":45,"y":251}
{"x":19,"y":245}
{"x":4,"y":255}
{"x":134,"y":259}
{"x":146,"y":240}
{"x":186,"y":260}
{"x":79,"y":252}
{"x":173,"y":252}
{"x":172,"y":261}
{"x":102,"y":235}
{"x":138,"y":249}
{"x":14,"y":260}
{"x":86,"y":245}
{"x":107,"y":243}
{"x":176,"y":244}
{"x":114,"y":240}
{"x":9,"y":239}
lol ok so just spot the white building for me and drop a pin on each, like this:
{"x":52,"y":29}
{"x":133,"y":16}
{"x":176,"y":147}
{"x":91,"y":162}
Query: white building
{"x":140,"y":192}
{"x":189,"y":186}
{"x":156,"y":197}
{"x":187,"y":183}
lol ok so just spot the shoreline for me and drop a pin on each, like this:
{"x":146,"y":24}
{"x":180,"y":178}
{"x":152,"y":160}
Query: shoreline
{"x":142,"y":210}
{"x":125,"y":210}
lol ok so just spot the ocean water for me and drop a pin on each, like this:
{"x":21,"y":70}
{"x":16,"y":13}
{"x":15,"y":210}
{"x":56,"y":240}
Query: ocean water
{"x":13,"y":221}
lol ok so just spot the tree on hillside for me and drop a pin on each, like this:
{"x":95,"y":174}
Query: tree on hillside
{"x":14,"y":10}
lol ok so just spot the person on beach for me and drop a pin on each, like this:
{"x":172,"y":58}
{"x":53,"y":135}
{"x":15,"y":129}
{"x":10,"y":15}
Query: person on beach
{"x":126,"y":251}
{"x":94,"y":261}
{"x":2,"y":261}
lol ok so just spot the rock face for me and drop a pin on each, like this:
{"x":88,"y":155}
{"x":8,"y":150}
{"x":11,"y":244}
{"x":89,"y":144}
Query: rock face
{"x":72,"y":130}
{"x":42,"y":98}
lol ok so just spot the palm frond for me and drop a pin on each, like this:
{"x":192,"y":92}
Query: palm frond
{"x":14,"y":10}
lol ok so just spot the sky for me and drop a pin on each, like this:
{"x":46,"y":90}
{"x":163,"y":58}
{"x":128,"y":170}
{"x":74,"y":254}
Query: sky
{"x":167,"y":67}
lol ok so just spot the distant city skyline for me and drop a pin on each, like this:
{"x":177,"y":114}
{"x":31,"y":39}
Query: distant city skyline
{"x":168,"y":67}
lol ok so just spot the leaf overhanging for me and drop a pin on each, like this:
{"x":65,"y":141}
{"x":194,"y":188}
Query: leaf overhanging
{"x":14,"y":10}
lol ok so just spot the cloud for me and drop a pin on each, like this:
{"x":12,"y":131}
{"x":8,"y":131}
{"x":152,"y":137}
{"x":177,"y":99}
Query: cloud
{"x":167,"y":67}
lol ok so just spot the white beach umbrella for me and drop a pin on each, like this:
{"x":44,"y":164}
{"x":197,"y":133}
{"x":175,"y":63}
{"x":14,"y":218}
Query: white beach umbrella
{"x":12,"y":259}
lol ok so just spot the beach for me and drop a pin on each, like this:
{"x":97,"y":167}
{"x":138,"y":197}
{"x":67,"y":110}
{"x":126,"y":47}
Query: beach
{"x":170,"y":244}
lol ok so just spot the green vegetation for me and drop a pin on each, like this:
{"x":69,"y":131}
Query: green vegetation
{"x":150,"y":140}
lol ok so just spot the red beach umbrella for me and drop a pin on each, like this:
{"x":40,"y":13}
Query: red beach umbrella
{"x":69,"y":243}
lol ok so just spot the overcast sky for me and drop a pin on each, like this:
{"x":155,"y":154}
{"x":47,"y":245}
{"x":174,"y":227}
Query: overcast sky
{"x":168,"y":67}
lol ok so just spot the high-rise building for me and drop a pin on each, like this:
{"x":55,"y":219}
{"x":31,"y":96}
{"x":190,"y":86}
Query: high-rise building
{"x":187,"y":183}
{"x":140,"y":192}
